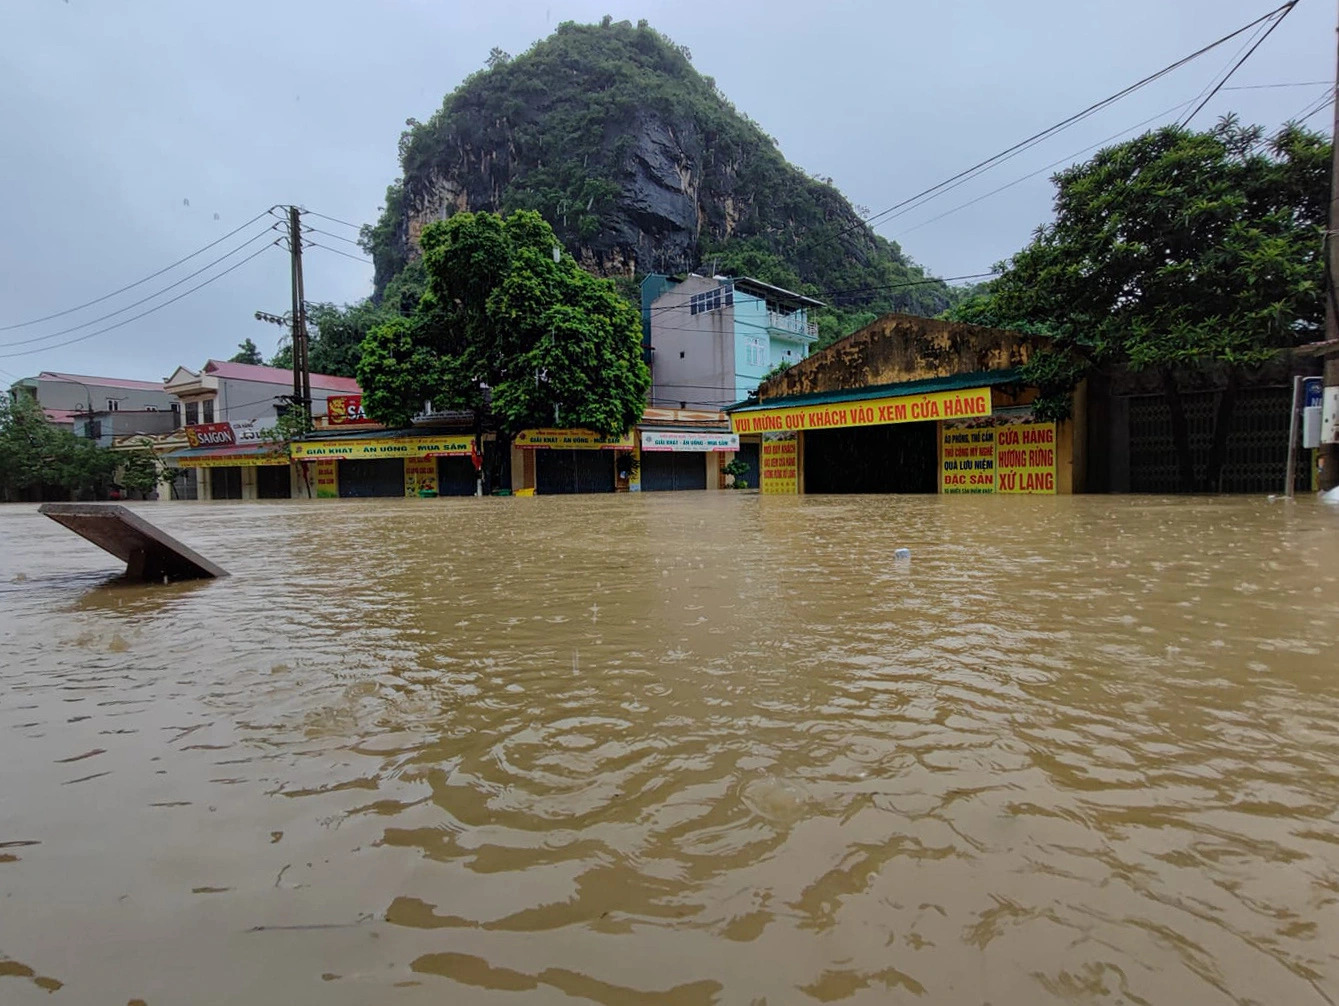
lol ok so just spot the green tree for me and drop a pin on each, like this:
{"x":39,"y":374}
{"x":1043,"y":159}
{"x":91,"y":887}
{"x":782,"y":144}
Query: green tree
{"x":38,"y":458}
{"x":503,"y":326}
{"x":247,"y":353}
{"x":1174,"y":250}
{"x":143,"y":470}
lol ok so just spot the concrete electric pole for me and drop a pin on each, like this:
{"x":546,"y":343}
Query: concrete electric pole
{"x":1329,"y":451}
{"x":302,"y":392}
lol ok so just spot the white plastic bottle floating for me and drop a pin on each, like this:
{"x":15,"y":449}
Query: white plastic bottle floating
{"x":902,"y":553}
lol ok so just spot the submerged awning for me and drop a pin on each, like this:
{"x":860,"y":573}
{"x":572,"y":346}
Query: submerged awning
{"x":239,"y":456}
{"x":958,"y":396}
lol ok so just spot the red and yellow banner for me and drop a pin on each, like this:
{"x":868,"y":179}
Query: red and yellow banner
{"x":1025,"y":458}
{"x":971,"y":403}
{"x":346,"y":410}
{"x":779,"y":464}
{"x":1011,"y":458}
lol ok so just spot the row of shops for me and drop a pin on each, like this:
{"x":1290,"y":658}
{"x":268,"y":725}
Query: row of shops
{"x":968,"y":434}
{"x":906,"y":405}
{"x":419,"y":463}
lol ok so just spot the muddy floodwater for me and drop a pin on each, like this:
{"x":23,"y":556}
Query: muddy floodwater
{"x":687,"y":748}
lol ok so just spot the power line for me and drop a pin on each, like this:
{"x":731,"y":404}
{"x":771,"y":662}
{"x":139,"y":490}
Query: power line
{"x":356,"y":258}
{"x":1261,"y":87}
{"x":962,"y":176}
{"x":159,"y":307}
{"x":142,"y":300}
{"x":337,"y":237}
{"x":335,"y":220}
{"x":1286,"y":10}
{"x":1048,"y":167}
{"x":1313,"y":107}
{"x":139,"y":282}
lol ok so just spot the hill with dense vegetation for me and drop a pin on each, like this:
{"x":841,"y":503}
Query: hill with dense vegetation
{"x":640,"y":165}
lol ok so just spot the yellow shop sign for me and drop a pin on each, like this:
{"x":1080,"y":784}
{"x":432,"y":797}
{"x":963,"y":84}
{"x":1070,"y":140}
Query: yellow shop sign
{"x":572,"y":440}
{"x":970,"y":403}
{"x":383,"y":447}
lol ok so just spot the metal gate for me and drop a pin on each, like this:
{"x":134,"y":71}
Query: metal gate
{"x":560,"y":472}
{"x":371,"y":477}
{"x":671,"y":470}
{"x":1257,"y":442}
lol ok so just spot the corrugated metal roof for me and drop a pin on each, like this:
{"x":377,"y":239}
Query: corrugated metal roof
{"x":954,"y":382}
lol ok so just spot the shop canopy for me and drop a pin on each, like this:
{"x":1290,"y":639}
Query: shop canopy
{"x":235,"y":456}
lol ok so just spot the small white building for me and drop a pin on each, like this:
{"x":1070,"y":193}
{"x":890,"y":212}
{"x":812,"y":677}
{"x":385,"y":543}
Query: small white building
{"x":223,"y":392}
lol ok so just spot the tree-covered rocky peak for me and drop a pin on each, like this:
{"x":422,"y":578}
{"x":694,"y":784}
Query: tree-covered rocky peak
{"x":640,"y":165}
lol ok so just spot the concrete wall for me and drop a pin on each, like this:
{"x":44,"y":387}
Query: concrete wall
{"x":901,"y":347}
{"x":694,"y":355}
{"x":750,"y":323}
{"x":53,"y":394}
{"x":124,"y":424}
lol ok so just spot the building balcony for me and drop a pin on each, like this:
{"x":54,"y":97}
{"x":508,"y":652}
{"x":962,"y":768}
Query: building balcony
{"x":792,"y":324}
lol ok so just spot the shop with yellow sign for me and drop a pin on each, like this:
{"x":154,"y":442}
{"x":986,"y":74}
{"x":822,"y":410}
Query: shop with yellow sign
{"x":359,"y":466}
{"x":1004,"y":457}
{"x":848,"y":443}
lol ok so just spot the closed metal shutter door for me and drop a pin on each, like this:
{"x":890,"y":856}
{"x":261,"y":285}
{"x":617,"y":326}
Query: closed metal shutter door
{"x":560,"y":472}
{"x":372,"y":477}
{"x":455,"y":477}
{"x":273,"y":482}
{"x":225,"y":483}
{"x":665,"y":471}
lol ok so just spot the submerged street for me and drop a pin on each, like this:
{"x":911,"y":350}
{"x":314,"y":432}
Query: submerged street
{"x":678,"y":748}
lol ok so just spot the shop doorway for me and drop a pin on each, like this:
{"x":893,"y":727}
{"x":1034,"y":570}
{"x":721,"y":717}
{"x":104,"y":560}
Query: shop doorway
{"x":673,"y":470}
{"x":274,"y":482}
{"x":897,"y":458}
{"x":371,"y":477}
{"x":561,"y":472}
{"x":748,"y":454}
{"x":225,"y":483}
{"x":456,"y":476}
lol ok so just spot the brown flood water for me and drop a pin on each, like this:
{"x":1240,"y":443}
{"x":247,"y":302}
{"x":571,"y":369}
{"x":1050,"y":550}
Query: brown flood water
{"x":677,"y":749}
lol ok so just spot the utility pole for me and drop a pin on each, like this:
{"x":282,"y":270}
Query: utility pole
{"x":302,"y":394}
{"x":1329,"y":452}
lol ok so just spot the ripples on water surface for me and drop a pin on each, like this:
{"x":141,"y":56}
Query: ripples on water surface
{"x":677,"y":749}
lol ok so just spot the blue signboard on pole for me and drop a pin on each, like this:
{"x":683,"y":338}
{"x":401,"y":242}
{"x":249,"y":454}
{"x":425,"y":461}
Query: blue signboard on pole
{"x":1313,"y":390}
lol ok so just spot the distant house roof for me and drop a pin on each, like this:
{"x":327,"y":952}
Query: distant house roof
{"x":765,"y":290}
{"x":62,"y":416}
{"x":278,"y":375}
{"x":102,"y":382}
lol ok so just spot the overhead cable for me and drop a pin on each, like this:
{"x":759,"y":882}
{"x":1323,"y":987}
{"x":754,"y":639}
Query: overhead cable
{"x":138,"y":282}
{"x":157,"y":307}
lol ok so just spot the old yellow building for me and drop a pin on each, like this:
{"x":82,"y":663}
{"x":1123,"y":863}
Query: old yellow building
{"x":910,"y":405}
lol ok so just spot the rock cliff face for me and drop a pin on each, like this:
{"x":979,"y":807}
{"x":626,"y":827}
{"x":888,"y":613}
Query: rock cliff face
{"x":640,"y":165}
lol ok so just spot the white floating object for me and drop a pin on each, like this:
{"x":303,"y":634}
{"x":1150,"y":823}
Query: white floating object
{"x":902,"y":553}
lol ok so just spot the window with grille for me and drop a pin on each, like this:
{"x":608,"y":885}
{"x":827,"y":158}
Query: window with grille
{"x":712,"y":300}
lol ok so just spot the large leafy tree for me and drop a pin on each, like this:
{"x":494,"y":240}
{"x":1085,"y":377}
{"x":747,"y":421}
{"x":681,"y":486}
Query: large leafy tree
{"x":1174,"y":250}
{"x":511,"y":324}
{"x":38,"y":458}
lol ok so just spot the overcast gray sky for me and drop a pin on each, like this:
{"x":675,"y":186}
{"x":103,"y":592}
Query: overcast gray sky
{"x":136,"y":131}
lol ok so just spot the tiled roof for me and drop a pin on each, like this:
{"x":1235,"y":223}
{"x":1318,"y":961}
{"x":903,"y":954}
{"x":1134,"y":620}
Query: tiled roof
{"x":278,"y":375}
